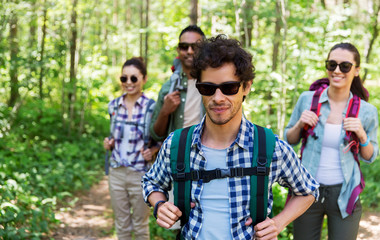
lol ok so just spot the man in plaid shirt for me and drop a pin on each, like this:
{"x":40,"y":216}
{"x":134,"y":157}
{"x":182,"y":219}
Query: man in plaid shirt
{"x":224,"y":139}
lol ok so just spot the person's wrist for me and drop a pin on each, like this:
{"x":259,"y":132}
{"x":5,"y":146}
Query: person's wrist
{"x":364,"y":144}
{"x":156,"y":206}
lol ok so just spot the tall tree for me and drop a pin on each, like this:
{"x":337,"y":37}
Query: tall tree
{"x":237,"y":19}
{"x":73,"y":80}
{"x":42,"y":51}
{"x":282,"y":100}
{"x":14,"y":63}
{"x":247,"y":22}
{"x":194,"y":12}
{"x":374,"y":35}
{"x":146,"y":30}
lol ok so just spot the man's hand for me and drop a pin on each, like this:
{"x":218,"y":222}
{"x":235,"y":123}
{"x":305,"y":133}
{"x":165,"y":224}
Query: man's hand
{"x":264,"y":230}
{"x":167,"y":215}
{"x":171,"y":102}
{"x":108,"y":144}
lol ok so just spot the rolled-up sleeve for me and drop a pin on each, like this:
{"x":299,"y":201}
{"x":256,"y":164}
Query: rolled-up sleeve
{"x":158,"y":178}
{"x":291,"y":172}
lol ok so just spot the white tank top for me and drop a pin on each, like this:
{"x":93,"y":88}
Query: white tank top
{"x":330,"y":169}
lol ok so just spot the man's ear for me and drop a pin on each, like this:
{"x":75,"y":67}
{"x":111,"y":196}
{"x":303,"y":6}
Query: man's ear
{"x":247,"y":87}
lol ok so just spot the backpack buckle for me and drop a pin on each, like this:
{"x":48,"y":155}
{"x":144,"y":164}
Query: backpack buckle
{"x":223,"y":173}
{"x":195,"y":175}
{"x":181,"y":177}
{"x":237,"y":172}
{"x":262,"y":171}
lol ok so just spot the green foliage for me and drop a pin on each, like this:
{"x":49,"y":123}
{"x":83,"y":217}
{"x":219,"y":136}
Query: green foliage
{"x":41,"y":166}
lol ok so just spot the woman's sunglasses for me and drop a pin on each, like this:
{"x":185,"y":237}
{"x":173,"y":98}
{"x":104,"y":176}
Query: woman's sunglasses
{"x":344,"y":67}
{"x":133,"y":79}
{"x":185,"y":46}
{"x":227,"y":88}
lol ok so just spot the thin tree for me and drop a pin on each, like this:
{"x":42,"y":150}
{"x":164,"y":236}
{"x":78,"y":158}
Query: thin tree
{"x":375,"y":34}
{"x":73,"y":81}
{"x":194,"y":12}
{"x":42,"y":52}
{"x":282,"y":100}
{"x":14,"y":51}
{"x":146,"y":31}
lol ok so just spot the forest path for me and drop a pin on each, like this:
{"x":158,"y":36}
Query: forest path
{"x":91,"y":218}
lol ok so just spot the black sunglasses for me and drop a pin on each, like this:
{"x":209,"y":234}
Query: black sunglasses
{"x":185,"y":46}
{"x":124,"y":79}
{"x":227,"y":88}
{"x":344,"y":67}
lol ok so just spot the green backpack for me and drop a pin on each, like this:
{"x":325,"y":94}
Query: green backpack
{"x":264,"y":143}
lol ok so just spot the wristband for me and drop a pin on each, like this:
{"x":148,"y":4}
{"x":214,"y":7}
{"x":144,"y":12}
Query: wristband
{"x":364,"y":144}
{"x":156,"y":208}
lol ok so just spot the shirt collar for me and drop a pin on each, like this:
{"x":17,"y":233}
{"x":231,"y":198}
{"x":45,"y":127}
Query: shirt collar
{"x":140,"y":101}
{"x":324,"y":97}
{"x":241,"y":138}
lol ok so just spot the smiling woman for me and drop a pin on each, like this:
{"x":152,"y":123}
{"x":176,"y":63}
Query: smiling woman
{"x":336,"y":130}
{"x":131,"y":153}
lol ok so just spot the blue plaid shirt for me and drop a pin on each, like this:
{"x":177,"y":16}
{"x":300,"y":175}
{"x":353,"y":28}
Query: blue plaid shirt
{"x":119,"y":119}
{"x":286,"y":169}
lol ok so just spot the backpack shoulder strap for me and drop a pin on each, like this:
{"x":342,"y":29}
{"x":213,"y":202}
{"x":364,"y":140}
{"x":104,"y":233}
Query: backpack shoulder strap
{"x":264,"y":144}
{"x":147,"y":119}
{"x":114,"y":115}
{"x":314,"y":107}
{"x":180,"y":164}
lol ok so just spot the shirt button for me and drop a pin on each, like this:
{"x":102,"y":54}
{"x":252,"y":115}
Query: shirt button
{"x":183,"y":100}
{"x":180,"y":116}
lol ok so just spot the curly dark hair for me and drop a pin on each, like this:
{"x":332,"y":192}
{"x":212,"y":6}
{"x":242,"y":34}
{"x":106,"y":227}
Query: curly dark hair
{"x":217,"y":51}
{"x":137,"y":62}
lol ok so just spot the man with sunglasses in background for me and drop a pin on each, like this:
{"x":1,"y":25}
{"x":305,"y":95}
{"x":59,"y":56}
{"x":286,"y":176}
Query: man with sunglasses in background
{"x":224,"y":142}
{"x":179,"y":103}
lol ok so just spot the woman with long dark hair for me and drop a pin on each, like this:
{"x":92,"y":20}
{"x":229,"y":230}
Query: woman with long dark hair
{"x":336,"y":140}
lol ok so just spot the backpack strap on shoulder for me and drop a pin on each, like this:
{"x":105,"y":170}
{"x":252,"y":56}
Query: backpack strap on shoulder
{"x":307,"y":130}
{"x":264,"y":143}
{"x":147,"y":119}
{"x":180,"y":165}
{"x":352,"y":139}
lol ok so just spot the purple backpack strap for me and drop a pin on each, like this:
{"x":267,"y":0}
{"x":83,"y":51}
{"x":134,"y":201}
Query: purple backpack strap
{"x":353,"y":111}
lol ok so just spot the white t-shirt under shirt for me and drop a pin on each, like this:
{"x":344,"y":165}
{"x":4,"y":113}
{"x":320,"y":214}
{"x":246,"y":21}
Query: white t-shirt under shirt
{"x":330,"y":169}
{"x":192,"y":112}
{"x":215,"y":199}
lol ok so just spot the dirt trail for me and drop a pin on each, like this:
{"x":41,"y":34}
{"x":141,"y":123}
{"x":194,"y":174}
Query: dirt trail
{"x":91,"y":218}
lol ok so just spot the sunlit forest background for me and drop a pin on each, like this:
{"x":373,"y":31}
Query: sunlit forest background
{"x":60,"y":62}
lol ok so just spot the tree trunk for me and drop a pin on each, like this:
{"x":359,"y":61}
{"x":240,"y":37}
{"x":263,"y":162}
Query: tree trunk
{"x":42,"y":53}
{"x":194,"y":12}
{"x":237,"y":20}
{"x":33,"y":40}
{"x":248,"y":22}
{"x":14,"y":50}
{"x":73,"y":81}
{"x":146,"y":31}
{"x":282,"y":99}
{"x":375,"y":34}
{"x":277,"y":36}
{"x":141,"y":26}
